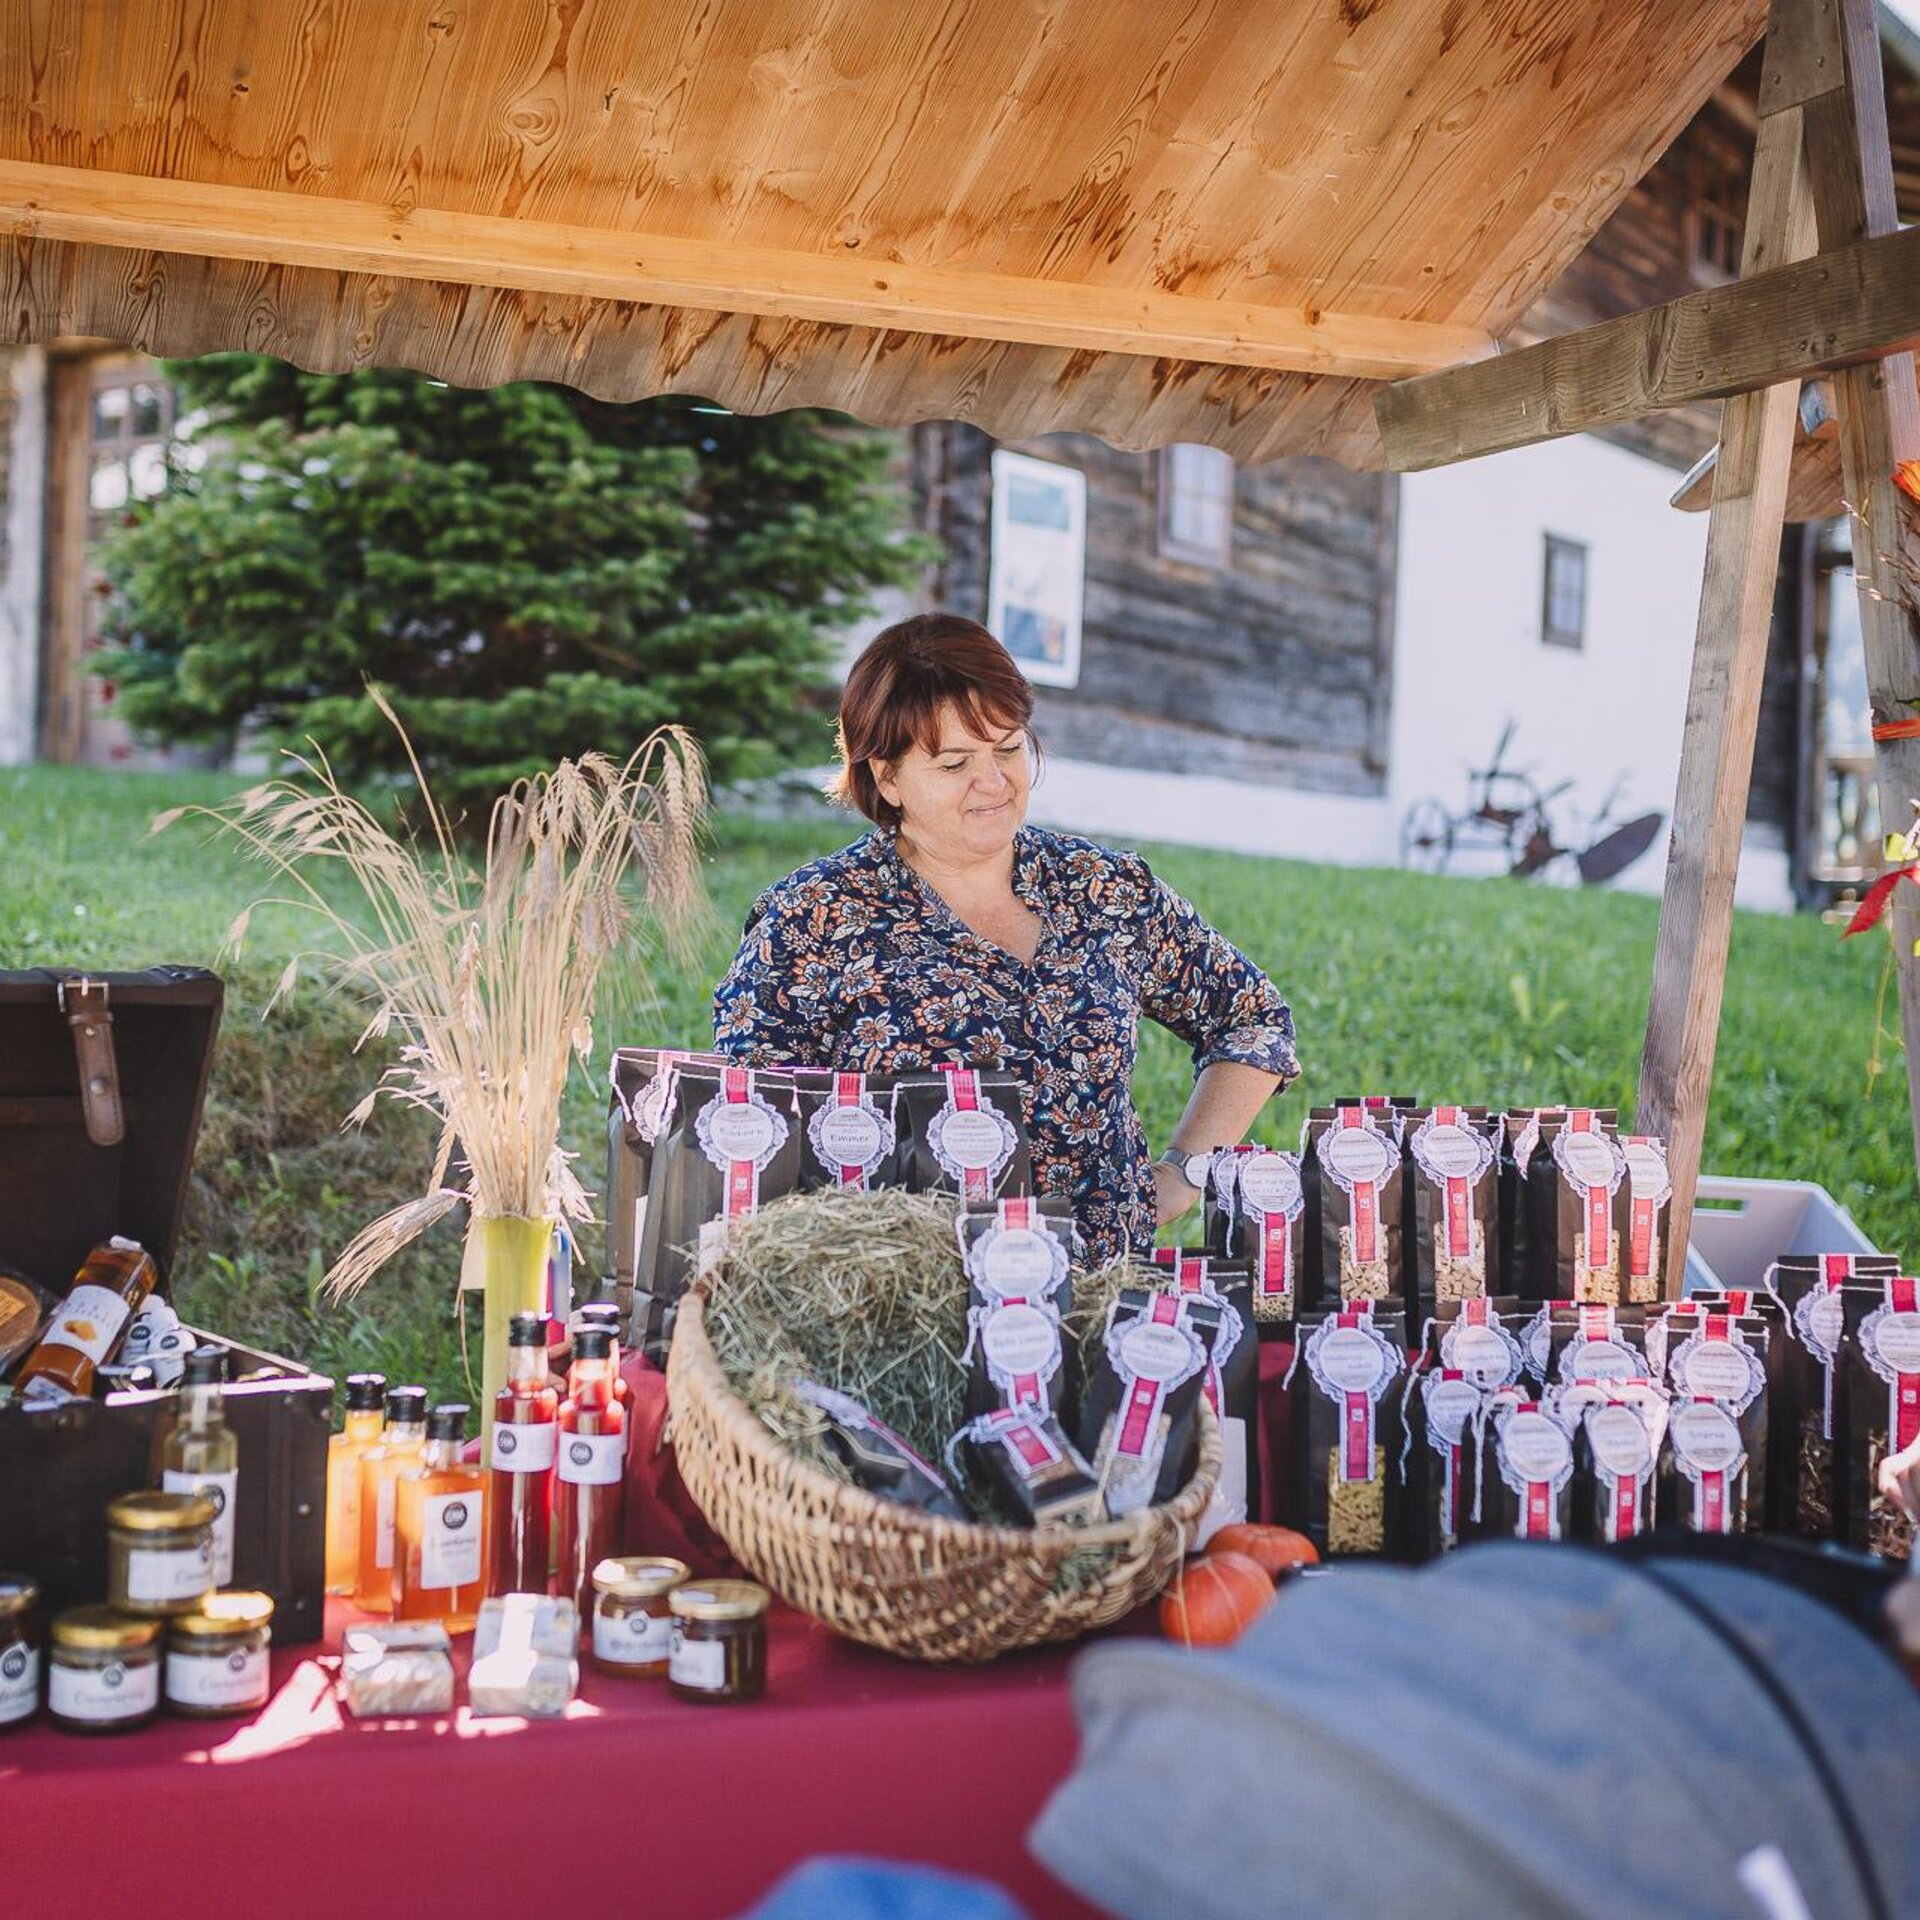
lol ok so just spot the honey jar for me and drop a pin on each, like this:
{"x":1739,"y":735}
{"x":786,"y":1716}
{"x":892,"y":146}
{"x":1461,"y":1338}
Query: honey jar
{"x":20,"y":1656}
{"x":217,"y":1656}
{"x":632,"y":1624}
{"x":103,"y":1675}
{"x":159,"y":1552}
{"x":719,"y":1646}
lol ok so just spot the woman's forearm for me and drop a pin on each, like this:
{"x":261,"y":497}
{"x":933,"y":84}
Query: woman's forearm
{"x":1225,"y":1100}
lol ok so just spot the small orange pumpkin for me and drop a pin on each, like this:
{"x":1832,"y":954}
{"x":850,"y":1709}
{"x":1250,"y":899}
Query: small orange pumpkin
{"x":1214,"y":1599}
{"x":1278,"y":1549}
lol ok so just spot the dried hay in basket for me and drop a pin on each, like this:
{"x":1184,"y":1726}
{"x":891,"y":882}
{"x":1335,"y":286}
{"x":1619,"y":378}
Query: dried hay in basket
{"x":863,"y":1292}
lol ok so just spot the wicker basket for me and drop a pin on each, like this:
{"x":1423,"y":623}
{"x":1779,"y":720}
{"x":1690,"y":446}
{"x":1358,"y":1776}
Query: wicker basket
{"x":895,"y":1577}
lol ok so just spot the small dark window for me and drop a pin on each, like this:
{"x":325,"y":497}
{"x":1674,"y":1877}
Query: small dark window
{"x":1196,"y":504}
{"x":1563,"y":598}
{"x":1717,"y":207}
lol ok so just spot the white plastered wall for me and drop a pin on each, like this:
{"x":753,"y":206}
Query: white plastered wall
{"x":22,"y":544}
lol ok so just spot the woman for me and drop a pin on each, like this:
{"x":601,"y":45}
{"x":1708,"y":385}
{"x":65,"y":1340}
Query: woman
{"x":954,"y":932}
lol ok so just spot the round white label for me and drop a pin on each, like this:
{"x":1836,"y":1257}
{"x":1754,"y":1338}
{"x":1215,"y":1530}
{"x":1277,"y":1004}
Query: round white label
{"x":1599,"y":1360}
{"x":1357,"y":1155}
{"x":115,"y":1691}
{"x":633,"y":1639}
{"x":1539,"y":1343}
{"x":1588,"y":1158}
{"x":1152,"y":1350}
{"x":1479,"y":1352}
{"x":1618,"y":1437}
{"x":1717,"y":1369}
{"x":1647,"y":1172}
{"x":236,"y":1679}
{"x":1705,"y":1436}
{"x":972,"y":1139}
{"x":1015,"y":1260}
{"x":1270,"y":1183}
{"x":1452,"y":1152}
{"x":849,"y":1136}
{"x":1449,"y":1405}
{"x":1020,"y":1339}
{"x":1535,"y":1447}
{"x":740,"y":1129}
{"x":1822,"y":1319}
{"x":1898,"y":1339}
{"x":1567,"y":1404}
{"x":1349,"y":1360}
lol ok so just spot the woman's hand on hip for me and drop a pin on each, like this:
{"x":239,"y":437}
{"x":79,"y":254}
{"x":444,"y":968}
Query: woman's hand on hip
{"x":1173,"y":1194}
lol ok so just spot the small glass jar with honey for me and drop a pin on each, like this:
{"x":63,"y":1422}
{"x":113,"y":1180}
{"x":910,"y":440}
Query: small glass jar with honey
{"x":632,"y":1623}
{"x":103,"y":1674}
{"x":217,"y":1656}
{"x":719,"y":1649}
{"x":159,"y":1552}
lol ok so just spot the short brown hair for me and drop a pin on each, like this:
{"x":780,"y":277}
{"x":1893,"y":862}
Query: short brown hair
{"x":898,"y":686}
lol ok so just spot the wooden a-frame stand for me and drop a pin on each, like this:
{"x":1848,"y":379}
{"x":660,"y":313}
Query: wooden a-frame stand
{"x":1822,"y":175}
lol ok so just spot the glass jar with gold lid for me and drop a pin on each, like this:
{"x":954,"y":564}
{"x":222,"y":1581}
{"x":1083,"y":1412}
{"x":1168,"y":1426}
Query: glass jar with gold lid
{"x":20,"y":1650}
{"x":159,"y":1552}
{"x":719,"y":1649}
{"x":103,"y":1671}
{"x":217,"y":1656}
{"x":632,"y":1625}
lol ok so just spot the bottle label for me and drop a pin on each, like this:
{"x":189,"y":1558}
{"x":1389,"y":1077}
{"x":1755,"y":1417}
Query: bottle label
{"x":593,"y":1459}
{"x":383,"y":1523}
{"x":218,"y":1487}
{"x":632,"y":1640}
{"x":161,"y":1574}
{"x":236,"y":1679}
{"x":113,"y":1692}
{"x":89,"y":1321}
{"x":450,"y":1537}
{"x":19,"y":1683}
{"x":528,"y":1449}
{"x":697,"y":1663}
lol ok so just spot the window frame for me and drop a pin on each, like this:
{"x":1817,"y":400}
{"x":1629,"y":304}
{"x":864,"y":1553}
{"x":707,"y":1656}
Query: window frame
{"x":1173,"y":546}
{"x":1557,"y":546}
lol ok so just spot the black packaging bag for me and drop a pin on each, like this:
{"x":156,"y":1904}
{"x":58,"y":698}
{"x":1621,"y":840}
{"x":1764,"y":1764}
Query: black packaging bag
{"x":1345,"y":1429}
{"x":1880,"y":1395}
{"x":1145,"y":1381}
{"x":1578,"y":1202}
{"x":1361,"y":1183}
{"x":963,"y":1131}
{"x":1524,"y":1488}
{"x":90,"y":1151}
{"x":849,"y":1139}
{"x":1454,"y":1185}
{"x":1704,"y":1354}
{"x":1703,"y":1469}
{"x":1478,"y":1338}
{"x":1616,"y":1456}
{"x":1444,"y":1408}
{"x":1232,"y":1378}
{"x":1254,"y":1212}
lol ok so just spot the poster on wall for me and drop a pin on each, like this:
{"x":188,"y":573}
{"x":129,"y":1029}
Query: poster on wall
{"x":1039,"y":565}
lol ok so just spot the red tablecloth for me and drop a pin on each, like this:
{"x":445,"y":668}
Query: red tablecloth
{"x":691,"y":1812}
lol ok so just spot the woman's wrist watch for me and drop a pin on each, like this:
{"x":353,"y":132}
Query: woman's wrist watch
{"x":1191,"y":1167}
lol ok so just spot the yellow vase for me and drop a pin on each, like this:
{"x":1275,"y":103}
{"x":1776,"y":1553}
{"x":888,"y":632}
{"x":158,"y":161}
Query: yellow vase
{"x":506,"y":1262}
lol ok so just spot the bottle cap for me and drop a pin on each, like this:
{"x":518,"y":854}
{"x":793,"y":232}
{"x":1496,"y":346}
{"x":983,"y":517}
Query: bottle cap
{"x":598,"y":1313}
{"x":406,"y":1406}
{"x":527,"y":1330}
{"x":206,"y":1367}
{"x":448,"y":1422}
{"x":366,"y":1392}
{"x":592,"y":1343}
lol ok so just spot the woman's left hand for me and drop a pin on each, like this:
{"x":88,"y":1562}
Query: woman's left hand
{"x":1173,"y":1194}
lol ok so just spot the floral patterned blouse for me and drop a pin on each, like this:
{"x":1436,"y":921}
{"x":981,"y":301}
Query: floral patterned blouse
{"x":853,"y":962}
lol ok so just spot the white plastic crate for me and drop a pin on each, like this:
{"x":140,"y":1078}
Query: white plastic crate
{"x":1740,"y":1227}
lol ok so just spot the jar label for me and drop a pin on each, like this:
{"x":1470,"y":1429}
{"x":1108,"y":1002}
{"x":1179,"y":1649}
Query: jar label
{"x":161,"y":1574}
{"x":450,"y":1538}
{"x":116,"y":1691}
{"x":632,"y":1639}
{"x":383,"y":1522}
{"x":19,"y":1683}
{"x":592,"y":1459}
{"x":528,"y":1449}
{"x":697,"y":1663}
{"x":89,"y":1320}
{"x":234,"y":1679}
{"x":217,"y":1487}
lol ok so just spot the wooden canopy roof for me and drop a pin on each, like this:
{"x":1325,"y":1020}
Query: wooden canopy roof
{"x":1151,"y":220}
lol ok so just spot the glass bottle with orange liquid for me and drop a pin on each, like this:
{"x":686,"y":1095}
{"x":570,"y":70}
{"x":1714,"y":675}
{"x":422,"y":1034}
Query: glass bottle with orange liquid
{"x":440,"y":1529}
{"x":380,"y":1467}
{"x":590,"y":1483}
{"x":366,"y":1392}
{"x":89,"y":1324}
{"x":520,"y":1492}
{"x":604,"y":1313}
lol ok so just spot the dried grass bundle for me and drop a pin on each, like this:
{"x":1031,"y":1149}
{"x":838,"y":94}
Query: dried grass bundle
{"x":487,"y":973}
{"x":859,"y":1291}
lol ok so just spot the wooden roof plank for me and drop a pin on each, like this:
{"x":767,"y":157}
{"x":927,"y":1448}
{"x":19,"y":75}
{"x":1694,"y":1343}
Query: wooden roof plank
{"x":238,"y":223}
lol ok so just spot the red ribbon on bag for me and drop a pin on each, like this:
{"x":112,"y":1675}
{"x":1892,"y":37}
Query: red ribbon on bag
{"x":849,"y":1090}
{"x":743,"y":1176}
{"x":1599,"y":1200}
{"x":1143,"y":1398}
{"x":1366,"y":1200}
{"x":1903,"y":1412}
{"x":1356,"y":1462}
{"x":1459,"y":1196}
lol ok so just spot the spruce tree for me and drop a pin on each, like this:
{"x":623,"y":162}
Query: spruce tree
{"x":528,"y":572}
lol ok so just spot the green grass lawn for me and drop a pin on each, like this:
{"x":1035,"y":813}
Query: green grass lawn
{"x":1468,"y":990}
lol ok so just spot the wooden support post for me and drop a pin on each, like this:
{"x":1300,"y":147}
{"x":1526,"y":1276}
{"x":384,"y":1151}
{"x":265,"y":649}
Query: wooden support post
{"x":1850,"y":173}
{"x":1729,"y":659}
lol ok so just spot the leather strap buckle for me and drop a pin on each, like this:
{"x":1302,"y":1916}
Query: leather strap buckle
{"x":84,"y":1002}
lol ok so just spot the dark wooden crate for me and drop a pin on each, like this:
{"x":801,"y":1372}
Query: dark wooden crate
{"x":60,"y":1195}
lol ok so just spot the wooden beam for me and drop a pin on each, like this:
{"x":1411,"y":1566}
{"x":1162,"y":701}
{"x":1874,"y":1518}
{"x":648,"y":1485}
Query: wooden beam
{"x":1877,"y":409}
{"x":485,"y":250}
{"x":1723,"y":697}
{"x":1839,"y":309}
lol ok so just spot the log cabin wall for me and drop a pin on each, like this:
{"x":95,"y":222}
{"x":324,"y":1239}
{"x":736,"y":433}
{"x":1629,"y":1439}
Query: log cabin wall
{"x":1272,"y":670}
